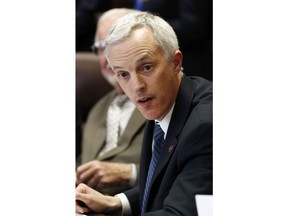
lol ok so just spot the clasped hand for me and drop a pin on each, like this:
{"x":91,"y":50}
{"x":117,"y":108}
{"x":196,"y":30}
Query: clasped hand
{"x":89,"y":200}
{"x":99,"y":174}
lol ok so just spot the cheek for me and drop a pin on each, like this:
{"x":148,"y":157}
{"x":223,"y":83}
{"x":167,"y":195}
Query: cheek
{"x":126,"y":87}
{"x":165,"y":87}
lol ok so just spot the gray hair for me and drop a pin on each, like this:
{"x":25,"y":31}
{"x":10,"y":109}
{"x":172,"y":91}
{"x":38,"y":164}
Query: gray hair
{"x":163,"y":33}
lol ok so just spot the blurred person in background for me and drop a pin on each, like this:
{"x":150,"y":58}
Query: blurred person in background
{"x":87,"y":14}
{"x":113,"y":132}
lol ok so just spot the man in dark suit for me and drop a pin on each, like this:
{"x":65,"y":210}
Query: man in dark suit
{"x":176,"y":159}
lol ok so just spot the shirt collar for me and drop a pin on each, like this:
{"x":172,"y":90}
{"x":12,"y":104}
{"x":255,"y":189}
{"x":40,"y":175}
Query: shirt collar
{"x":164,"y":124}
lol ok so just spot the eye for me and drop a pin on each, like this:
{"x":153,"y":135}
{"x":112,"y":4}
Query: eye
{"x":122,"y":74}
{"x":147,"y":68}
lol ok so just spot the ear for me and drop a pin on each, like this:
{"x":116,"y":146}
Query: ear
{"x":177,"y":61}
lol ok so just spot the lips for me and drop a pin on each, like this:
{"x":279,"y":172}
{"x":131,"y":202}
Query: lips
{"x":144,"y":101}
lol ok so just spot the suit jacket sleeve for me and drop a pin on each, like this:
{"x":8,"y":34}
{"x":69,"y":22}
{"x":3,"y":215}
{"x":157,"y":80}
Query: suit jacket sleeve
{"x":133,"y":197}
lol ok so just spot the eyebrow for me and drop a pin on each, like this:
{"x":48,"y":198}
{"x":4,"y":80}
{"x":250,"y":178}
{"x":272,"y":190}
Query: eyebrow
{"x":142,"y":58}
{"x":116,"y":67}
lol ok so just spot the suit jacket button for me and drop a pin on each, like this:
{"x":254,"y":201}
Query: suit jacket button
{"x":170,"y":148}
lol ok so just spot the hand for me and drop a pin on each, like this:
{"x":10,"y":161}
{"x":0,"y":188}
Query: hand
{"x":89,"y":200}
{"x":99,"y":174}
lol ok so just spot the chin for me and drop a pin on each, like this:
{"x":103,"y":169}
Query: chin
{"x":148,"y":116}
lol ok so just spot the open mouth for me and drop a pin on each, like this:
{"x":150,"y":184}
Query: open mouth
{"x":144,"y":101}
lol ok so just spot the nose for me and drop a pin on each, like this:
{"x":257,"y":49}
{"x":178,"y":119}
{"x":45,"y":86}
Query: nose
{"x":138,"y":82}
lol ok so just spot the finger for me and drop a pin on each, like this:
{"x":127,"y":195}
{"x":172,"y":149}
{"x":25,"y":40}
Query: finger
{"x":81,"y":188}
{"x":82,"y":192}
{"x":87,"y":175}
{"x":93,"y":183}
{"x":82,"y":168}
{"x":79,"y":204}
{"x":103,"y":179}
{"x":81,"y":209}
{"x":79,"y":196}
{"x":82,"y":197}
{"x":81,"y":200}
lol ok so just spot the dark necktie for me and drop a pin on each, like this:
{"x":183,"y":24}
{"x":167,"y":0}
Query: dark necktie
{"x":158,"y":145}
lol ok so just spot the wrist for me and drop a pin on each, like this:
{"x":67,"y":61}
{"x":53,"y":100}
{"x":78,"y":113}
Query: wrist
{"x":115,"y":205}
{"x":125,"y":173}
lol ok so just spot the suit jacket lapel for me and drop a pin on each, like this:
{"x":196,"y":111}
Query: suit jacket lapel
{"x":94,"y":140}
{"x":99,"y":133}
{"x":134,"y":125}
{"x":101,"y":137}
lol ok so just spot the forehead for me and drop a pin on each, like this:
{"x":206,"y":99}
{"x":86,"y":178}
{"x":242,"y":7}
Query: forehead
{"x":141,"y":40}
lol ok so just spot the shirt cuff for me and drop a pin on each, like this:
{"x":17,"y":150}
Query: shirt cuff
{"x":133,"y":175}
{"x":126,"y":208}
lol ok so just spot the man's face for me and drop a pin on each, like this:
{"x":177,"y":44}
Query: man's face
{"x":147,"y":78}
